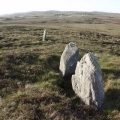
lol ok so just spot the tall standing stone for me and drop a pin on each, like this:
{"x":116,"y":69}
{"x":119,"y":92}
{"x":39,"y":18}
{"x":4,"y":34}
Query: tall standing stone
{"x":69,"y":59}
{"x":44,"y":35}
{"x":87,"y":81}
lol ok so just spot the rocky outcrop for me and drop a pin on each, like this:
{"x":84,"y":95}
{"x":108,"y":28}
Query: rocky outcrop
{"x":69,"y":59}
{"x":87,"y":81}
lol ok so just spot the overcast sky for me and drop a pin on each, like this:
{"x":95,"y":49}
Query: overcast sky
{"x":15,"y":6}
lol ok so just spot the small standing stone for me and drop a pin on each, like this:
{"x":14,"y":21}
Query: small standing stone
{"x":44,"y":35}
{"x":87,"y":81}
{"x":69,"y":59}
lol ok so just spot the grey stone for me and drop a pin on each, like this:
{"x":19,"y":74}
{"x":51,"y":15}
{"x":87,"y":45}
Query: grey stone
{"x":69,"y":59}
{"x":44,"y":35}
{"x":87,"y":81}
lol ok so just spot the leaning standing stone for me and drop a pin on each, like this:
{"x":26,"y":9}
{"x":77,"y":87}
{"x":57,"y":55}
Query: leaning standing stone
{"x":44,"y":35}
{"x":87,"y":81}
{"x":69,"y":59}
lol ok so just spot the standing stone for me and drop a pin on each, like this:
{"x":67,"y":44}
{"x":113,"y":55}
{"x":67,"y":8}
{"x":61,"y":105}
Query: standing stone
{"x":44,"y":35}
{"x":69,"y":59}
{"x":87,"y":81}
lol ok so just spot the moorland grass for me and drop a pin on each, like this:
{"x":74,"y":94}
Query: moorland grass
{"x":30,"y":84}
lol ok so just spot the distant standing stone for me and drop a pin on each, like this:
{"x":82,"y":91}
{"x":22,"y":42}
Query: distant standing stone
{"x":44,"y":35}
{"x":87,"y":81}
{"x":69,"y":59}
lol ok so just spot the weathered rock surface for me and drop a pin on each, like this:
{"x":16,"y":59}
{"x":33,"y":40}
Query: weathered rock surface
{"x":87,"y":81}
{"x":44,"y":35}
{"x":69,"y":59}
